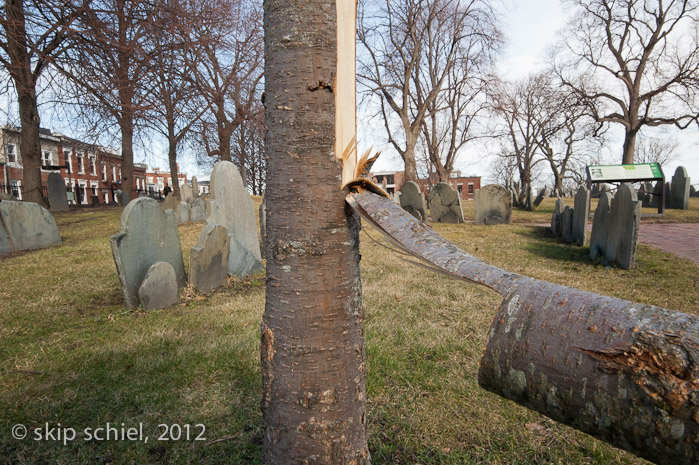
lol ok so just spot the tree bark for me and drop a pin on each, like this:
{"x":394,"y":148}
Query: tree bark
{"x":127,"y":183}
{"x":624,"y":372}
{"x":629,"y":147}
{"x":312,"y":344}
{"x":172,"y":158}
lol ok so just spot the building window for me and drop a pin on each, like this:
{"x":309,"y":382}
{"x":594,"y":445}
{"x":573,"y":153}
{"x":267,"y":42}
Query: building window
{"x":93,"y":188}
{"x":16,"y":188}
{"x":470,"y":188}
{"x":114,"y":178}
{"x":104,"y":171}
{"x":82,"y":193}
{"x":45,"y":158}
{"x":106,"y":198}
{"x":93,"y":165}
{"x":120,"y":173}
{"x":69,"y":160}
{"x":81,"y":163}
{"x":11,"y":153}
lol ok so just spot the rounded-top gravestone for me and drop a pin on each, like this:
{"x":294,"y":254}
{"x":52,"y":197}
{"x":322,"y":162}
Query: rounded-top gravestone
{"x":445,"y":205}
{"x":492,"y":205}
{"x":412,"y":200}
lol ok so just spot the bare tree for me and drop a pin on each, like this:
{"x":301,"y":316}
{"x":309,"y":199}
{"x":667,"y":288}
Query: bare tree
{"x":33,"y":34}
{"x":107,"y":69}
{"x":656,"y":150}
{"x":636,"y":63}
{"x":409,"y":50}
{"x":248,"y":148}
{"x":227,"y":58}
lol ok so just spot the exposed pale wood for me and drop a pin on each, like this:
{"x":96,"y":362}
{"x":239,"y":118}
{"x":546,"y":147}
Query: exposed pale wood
{"x":624,"y":372}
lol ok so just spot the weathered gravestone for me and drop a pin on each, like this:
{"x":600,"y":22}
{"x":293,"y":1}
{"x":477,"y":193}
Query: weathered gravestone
{"x":183,"y":213}
{"x":624,"y":221}
{"x":657,"y":194}
{"x":147,"y":234}
{"x":567,"y":224}
{"x":396,"y":197}
{"x":544,"y":193}
{"x":600,"y":225}
{"x":26,"y":226}
{"x":445,"y":205}
{"x":197,"y":210}
{"x":692,"y":191}
{"x":492,"y":205}
{"x":527,"y":197}
{"x":170,"y":203}
{"x":412,"y":200}
{"x":186,"y":193}
{"x":95,"y":200}
{"x":6,"y":196}
{"x":556,"y":227}
{"x":233,"y":208}
{"x":263,"y":225}
{"x":159,"y":288}
{"x":195,"y":187}
{"x":58,"y":199}
{"x":581,"y":210}
{"x":208,"y":262}
{"x":680,"y":189}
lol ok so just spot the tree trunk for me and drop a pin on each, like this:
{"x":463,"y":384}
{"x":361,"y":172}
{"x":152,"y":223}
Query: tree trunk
{"x":127,"y":183}
{"x":25,"y":86}
{"x":629,"y":146}
{"x":409,"y":159}
{"x":172,"y":158}
{"x":626,"y":373}
{"x":312,"y":344}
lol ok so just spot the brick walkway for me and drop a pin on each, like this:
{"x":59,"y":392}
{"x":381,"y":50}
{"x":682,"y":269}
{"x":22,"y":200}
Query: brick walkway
{"x":681,"y":239}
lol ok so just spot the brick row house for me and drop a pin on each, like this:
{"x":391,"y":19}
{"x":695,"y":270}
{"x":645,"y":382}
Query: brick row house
{"x":392,"y":181}
{"x":87,"y":169}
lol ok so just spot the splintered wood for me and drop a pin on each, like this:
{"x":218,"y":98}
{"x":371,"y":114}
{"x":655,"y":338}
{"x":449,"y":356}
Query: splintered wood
{"x":623,"y":372}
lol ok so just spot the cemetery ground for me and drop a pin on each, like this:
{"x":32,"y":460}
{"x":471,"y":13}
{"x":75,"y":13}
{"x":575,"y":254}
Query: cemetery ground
{"x":71,"y":353}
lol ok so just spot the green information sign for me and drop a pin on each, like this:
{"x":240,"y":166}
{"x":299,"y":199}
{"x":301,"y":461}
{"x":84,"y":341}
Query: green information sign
{"x":644,"y":171}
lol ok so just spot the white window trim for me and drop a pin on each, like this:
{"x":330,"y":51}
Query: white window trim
{"x":92,"y":161}
{"x":81,"y":157}
{"x":18,"y":183}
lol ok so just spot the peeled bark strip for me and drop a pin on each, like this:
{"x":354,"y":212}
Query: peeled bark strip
{"x":623,"y":372}
{"x":312,"y":345}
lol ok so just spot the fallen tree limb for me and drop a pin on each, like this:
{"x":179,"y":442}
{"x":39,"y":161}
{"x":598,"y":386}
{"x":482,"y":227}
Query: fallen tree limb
{"x":623,"y":372}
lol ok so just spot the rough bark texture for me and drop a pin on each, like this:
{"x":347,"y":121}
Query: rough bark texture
{"x":624,"y":372}
{"x":312,"y":345}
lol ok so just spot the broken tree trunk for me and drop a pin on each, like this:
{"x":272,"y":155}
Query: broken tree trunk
{"x":623,"y":372}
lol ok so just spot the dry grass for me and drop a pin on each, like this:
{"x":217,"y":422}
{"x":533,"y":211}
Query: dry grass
{"x":72,"y":354}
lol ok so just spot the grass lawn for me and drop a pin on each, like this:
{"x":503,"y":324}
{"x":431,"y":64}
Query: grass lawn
{"x":70,"y":353}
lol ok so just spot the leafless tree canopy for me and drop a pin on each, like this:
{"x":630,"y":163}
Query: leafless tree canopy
{"x":635,"y":62}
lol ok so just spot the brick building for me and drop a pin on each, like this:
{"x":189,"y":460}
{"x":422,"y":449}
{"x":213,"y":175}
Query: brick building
{"x":466,"y":186}
{"x":87,"y":169}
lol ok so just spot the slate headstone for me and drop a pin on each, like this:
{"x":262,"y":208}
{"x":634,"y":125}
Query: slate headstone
{"x":197,"y":211}
{"x":412,"y":200}
{"x":58,"y":199}
{"x":692,"y":191}
{"x":233,"y":208}
{"x":556,"y":227}
{"x":657,"y":194}
{"x":622,"y":238}
{"x":195,"y":187}
{"x":680,"y":189}
{"x":147,"y":234}
{"x":581,"y":210}
{"x":567,"y":224}
{"x":26,"y":226}
{"x":186,"y":193}
{"x":170,"y":203}
{"x":159,"y":287}
{"x":445,"y":205}
{"x":183,"y":213}
{"x":208,"y":262}
{"x":492,"y":205}
{"x":544,"y":193}
{"x":600,"y":226}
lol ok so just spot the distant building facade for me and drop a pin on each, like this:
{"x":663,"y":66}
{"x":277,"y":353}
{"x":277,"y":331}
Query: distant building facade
{"x":88,"y":170}
{"x":392,"y":181}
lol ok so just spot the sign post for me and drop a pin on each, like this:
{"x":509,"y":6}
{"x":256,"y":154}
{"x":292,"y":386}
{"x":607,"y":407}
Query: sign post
{"x":629,"y":173}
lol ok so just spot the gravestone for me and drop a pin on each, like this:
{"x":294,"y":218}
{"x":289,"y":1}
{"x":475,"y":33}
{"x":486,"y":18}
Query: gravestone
{"x":625,"y":218}
{"x":263,"y":225}
{"x":556,"y":227}
{"x":528,"y":200}
{"x":186,"y":193}
{"x":581,"y":210}
{"x":412,"y":200}
{"x":445,"y":205}
{"x":95,"y":200}
{"x":208,"y":262}
{"x":668,"y":195}
{"x":396,"y":197}
{"x":197,"y":211}
{"x":643,"y":195}
{"x":147,"y":234}
{"x":492,"y":205}
{"x":567,"y":224}
{"x":680,"y":189}
{"x":170,"y":203}
{"x":657,"y":194}
{"x":600,"y":226}
{"x":6,"y":196}
{"x":58,"y":199}
{"x":195,"y":187}
{"x":26,"y":226}
{"x":545,"y":192}
{"x":692,"y":192}
{"x":233,"y":208}
{"x":183,"y":213}
{"x":159,"y":288}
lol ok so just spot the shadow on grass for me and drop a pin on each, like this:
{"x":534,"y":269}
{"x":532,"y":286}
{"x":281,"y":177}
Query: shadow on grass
{"x":544,"y":244}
